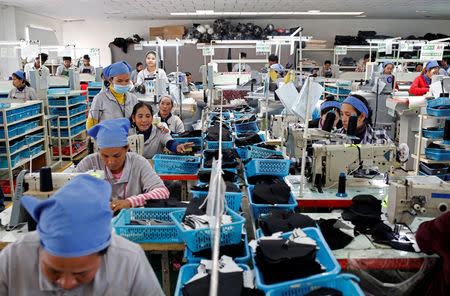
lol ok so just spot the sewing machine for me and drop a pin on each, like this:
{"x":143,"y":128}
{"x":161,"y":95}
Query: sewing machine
{"x":29,"y":184}
{"x":136,"y":143}
{"x":417,"y":196}
{"x":295,"y":134}
{"x":331,"y":160}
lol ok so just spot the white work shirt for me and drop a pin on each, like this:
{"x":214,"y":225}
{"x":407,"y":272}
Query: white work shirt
{"x":44,"y":71}
{"x":28,"y":94}
{"x":174,"y":122}
{"x":244,"y":68}
{"x":105,"y":106}
{"x":124,"y":271}
{"x":155,"y":143}
{"x":61,"y":69}
{"x":150,"y":85}
{"x":444,"y":72}
{"x":89,"y":70}
{"x":146,"y":74}
{"x":138,"y":176}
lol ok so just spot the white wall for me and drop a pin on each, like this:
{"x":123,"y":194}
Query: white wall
{"x":98,"y":34}
{"x":24,"y":19}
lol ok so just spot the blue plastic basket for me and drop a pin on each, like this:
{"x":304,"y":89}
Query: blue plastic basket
{"x":344,"y":282}
{"x":192,"y":259}
{"x":58,"y":91}
{"x":215,"y":145}
{"x":233,"y":198}
{"x":258,"y":152}
{"x":187,"y":272}
{"x":324,"y":255}
{"x":437,"y":154}
{"x":259,"y":209}
{"x":146,"y":234}
{"x":12,"y":132}
{"x":95,"y":84}
{"x":433,"y":134}
{"x":274,"y":167}
{"x":62,"y":102}
{"x":438,"y":102}
{"x":176,"y":164}
{"x":200,"y":239}
{"x":198,"y":142}
{"x":225,"y":114}
{"x":247,"y":127}
{"x":438,"y":112}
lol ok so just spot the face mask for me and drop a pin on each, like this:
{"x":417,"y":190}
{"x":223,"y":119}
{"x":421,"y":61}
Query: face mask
{"x":121,"y":89}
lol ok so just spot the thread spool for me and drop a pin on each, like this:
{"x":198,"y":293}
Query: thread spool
{"x":341,"y":185}
{"x":329,"y":121}
{"x":352,"y":124}
{"x":45,"y":178}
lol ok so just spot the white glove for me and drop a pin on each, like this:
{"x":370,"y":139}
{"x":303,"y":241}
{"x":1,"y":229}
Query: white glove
{"x":163,"y":125}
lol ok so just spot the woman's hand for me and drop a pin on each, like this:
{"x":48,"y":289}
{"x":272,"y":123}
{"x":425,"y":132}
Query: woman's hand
{"x":163,"y":127}
{"x":183,"y":147}
{"x":117,"y":205}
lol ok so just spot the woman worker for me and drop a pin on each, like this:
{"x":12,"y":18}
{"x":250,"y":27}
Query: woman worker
{"x":387,"y":77}
{"x":329,"y":105}
{"x":131,"y":176}
{"x":149,"y":73}
{"x":356,"y":105}
{"x":155,"y":138}
{"x":87,"y":67}
{"x":174,"y":123}
{"x":22,"y":89}
{"x":115,"y":101}
{"x":421,"y":84}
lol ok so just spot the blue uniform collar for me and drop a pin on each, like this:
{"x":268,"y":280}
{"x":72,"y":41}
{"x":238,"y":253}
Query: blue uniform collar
{"x":427,"y":80}
{"x":165,"y":119}
{"x":145,"y":133}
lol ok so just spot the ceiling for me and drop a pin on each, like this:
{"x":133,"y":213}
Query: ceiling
{"x":161,"y":9}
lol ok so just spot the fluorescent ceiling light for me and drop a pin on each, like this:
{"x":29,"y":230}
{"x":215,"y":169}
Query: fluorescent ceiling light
{"x":310,"y":12}
{"x":204,"y":12}
{"x":41,"y":28}
{"x":113,"y":12}
{"x":422,"y":11}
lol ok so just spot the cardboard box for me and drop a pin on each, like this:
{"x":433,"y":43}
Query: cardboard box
{"x":173,"y":37}
{"x":173,"y":31}
{"x":156,"y":32}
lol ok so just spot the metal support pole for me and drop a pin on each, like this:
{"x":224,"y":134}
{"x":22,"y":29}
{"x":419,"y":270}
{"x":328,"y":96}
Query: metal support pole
{"x":305,"y":135}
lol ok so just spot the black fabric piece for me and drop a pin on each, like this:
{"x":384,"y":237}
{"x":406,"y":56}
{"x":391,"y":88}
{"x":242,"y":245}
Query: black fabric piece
{"x":230,"y":283}
{"x":325,"y":292}
{"x":229,"y":158}
{"x":205,"y":176}
{"x":314,"y":123}
{"x":213,"y":133}
{"x":243,"y":108}
{"x":193,"y":208}
{"x":229,"y":187}
{"x":233,"y":251}
{"x":164,"y":203}
{"x":383,"y":234}
{"x":189,"y":134}
{"x":364,"y":213}
{"x":245,"y":119}
{"x":217,"y":118}
{"x":263,"y":179}
{"x":335,"y":238}
{"x":284,"y":221}
{"x":248,"y":140}
{"x":264,"y":145}
{"x":277,"y":193}
{"x":283,"y":260}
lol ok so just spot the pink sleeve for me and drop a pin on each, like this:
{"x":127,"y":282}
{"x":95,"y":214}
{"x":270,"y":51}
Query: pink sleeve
{"x":157,"y":193}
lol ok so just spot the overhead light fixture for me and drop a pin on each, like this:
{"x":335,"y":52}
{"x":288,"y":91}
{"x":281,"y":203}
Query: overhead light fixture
{"x":362,"y":15}
{"x":310,"y":12}
{"x":421,"y":11}
{"x":113,"y":12}
{"x":73,"y":20}
{"x":204,"y":12}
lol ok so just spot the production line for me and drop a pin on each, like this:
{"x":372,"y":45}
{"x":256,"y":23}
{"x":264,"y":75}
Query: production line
{"x":268,"y":180}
